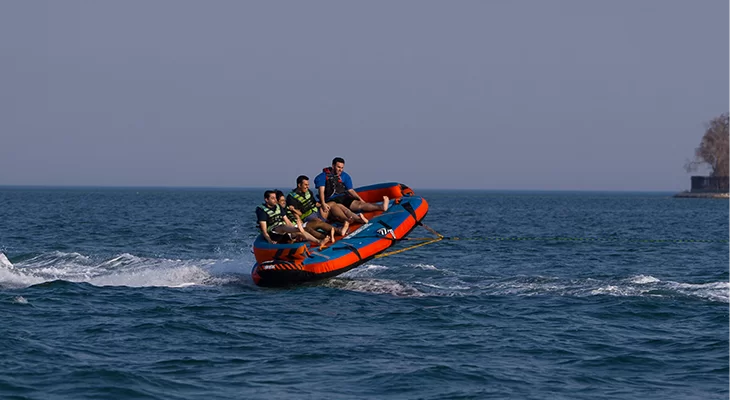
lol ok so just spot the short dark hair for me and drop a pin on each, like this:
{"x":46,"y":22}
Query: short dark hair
{"x":279,"y":194}
{"x":268,"y":193}
{"x":338,"y":160}
{"x":301,"y":178}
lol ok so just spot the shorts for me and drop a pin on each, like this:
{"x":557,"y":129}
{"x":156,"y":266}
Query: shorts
{"x":345,"y":200}
{"x":314,"y":216}
{"x":280,"y":238}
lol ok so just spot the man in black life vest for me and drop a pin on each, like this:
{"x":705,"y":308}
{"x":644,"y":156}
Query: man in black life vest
{"x":335,"y":186}
{"x":275,"y":226}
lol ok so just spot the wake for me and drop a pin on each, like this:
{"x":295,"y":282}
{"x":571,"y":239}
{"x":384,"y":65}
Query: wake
{"x":430,"y":280}
{"x":421,"y":280}
{"x":122,"y":270}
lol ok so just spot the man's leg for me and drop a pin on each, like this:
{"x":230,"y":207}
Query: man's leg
{"x":340,"y":213}
{"x":314,"y":232}
{"x":351,"y":216}
{"x":361,"y":206}
{"x":337,"y":212}
{"x":297,"y":232}
{"x":317,"y":224}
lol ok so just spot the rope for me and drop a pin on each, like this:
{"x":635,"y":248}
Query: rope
{"x":580,"y":239}
{"x":426,"y":241}
{"x":390,"y":253}
{"x":428,"y":228}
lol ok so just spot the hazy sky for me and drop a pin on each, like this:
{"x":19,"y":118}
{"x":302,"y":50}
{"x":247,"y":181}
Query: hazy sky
{"x":488,"y":94}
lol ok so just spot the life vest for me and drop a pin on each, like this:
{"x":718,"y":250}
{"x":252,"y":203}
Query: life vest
{"x":292,"y":217}
{"x":304,"y":203}
{"x":276,"y":218}
{"x":333,"y":185}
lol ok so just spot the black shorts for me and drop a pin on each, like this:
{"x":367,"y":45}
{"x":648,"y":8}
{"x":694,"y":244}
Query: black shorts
{"x":279,"y":238}
{"x":345,"y":200}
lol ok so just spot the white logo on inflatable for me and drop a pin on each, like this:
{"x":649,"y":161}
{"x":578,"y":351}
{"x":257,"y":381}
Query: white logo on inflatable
{"x":385,"y":232}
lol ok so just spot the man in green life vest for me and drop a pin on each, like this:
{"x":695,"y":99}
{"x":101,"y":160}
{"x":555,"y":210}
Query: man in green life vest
{"x":275,"y":226}
{"x":314,"y":227}
{"x":303,"y":202}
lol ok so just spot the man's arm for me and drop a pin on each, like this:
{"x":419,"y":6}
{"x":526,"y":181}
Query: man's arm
{"x":291,"y":205}
{"x":265,"y":233}
{"x":325,"y":207}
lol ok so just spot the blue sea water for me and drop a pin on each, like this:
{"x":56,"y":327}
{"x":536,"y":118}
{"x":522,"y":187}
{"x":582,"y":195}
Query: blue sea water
{"x":146,"y":294}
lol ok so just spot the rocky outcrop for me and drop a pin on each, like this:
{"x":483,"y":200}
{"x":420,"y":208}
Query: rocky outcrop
{"x":703,"y":195}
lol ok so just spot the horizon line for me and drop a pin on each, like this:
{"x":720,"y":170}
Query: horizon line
{"x":3,"y":186}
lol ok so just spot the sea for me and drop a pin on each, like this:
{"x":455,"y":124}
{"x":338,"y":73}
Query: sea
{"x":146,"y":293}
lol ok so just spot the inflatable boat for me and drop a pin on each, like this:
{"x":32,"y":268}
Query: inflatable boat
{"x":294,"y":263}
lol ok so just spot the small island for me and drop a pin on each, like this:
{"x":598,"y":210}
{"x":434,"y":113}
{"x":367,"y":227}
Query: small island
{"x":713,"y":151}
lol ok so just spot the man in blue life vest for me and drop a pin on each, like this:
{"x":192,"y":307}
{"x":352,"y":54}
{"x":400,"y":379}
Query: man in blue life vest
{"x":275,"y":226}
{"x":335,"y":186}
{"x":314,"y":226}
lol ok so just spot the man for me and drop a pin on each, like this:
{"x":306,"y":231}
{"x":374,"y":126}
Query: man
{"x":310,"y":225}
{"x":275,"y":226}
{"x":302,"y":201}
{"x":335,"y":186}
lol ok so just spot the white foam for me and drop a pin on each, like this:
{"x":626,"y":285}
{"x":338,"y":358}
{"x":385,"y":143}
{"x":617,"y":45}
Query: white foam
{"x":186,"y":284}
{"x":528,"y":286}
{"x":122,"y":270}
{"x":614,"y":290}
{"x":11,"y":277}
{"x":428,"y":267}
{"x":4,"y":262}
{"x":20,"y":300}
{"x":377,"y":286}
{"x":443,"y":287}
{"x":120,"y":261}
{"x":643,"y":279}
{"x":701,"y":286}
{"x":175,"y":276}
{"x":715,"y":291}
{"x":364,"y":271}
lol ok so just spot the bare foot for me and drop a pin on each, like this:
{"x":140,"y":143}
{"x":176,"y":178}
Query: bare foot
{"x":362,"y":217}
{"x":386,"y":203}
{"x":324,"y":242}
{"x":344,"y":229}
{"x":332,"y":235}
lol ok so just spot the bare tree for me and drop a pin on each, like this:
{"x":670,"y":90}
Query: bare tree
{"x":713,"y":149}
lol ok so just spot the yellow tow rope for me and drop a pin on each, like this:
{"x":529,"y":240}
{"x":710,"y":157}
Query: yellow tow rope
{"x":439,"y":237}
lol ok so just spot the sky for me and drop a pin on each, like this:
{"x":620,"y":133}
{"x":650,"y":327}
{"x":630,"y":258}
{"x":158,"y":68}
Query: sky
{"x":487,"y":94}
